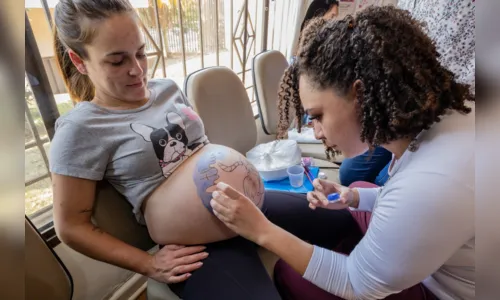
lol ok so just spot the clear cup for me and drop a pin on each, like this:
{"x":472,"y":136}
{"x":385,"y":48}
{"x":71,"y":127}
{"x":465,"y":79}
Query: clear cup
{"x":296,"y":176}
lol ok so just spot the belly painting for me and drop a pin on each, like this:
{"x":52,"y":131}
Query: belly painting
{"x":179,"y":210}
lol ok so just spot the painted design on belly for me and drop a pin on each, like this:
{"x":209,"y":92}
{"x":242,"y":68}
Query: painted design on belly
{"x":206,"y":176}
{"x":252,"y":184}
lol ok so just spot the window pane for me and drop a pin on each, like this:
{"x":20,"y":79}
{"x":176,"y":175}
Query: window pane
{"x":248,"y":79}
{"x":37,"y":119}
{"x":46,"y":147}
{"x":34,"y":165}
{"x":64,"y":103}
{"x":38,"y":196}
{"x":250,"y":94}
{"x":33,"y":110}
{"x":28,"y":134}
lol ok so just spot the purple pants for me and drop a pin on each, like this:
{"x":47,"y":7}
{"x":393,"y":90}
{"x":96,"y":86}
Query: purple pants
{"x":292,"y":286}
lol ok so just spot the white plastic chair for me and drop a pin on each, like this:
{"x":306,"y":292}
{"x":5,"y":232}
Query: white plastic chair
{"x":268,"y":68}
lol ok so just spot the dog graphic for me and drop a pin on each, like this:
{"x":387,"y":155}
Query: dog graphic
{"x":170,"y":143}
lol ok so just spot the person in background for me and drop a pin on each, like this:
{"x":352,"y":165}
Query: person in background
{"x":327,"y":9}
{"x":451,"y":25}
{"x":370,"y":166}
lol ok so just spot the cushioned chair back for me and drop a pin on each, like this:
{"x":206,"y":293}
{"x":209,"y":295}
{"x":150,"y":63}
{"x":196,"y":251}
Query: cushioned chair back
{"x":46,"y":277}
{"x":268,"y":68}
{"x":219,"y":97}
{"x":113,"y":214}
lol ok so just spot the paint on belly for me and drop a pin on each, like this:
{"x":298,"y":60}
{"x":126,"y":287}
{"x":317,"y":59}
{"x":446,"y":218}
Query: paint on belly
{"x":206,"y":174}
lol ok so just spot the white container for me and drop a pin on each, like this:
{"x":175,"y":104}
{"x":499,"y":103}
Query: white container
{"x":273,"y":159}
{"x":275,"y":175}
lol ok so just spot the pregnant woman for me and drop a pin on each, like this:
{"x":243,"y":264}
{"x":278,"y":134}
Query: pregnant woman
{"x":144,"y":138}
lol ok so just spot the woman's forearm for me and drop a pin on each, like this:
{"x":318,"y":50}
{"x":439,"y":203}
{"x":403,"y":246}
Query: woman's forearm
{"x":320,"y":268}
{"x":288,"y":247}
{"x":97,"y":244}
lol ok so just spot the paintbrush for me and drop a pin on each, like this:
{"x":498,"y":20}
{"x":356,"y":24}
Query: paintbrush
{"x":308,"y":173}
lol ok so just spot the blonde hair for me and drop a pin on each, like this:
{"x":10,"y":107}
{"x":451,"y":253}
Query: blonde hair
{"x":72,"y":31}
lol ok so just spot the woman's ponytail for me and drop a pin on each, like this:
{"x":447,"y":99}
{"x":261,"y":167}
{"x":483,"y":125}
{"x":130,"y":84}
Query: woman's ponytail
{"x":79,"y":86}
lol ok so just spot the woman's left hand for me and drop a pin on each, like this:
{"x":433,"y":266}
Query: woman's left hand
{"x":239,"y":213}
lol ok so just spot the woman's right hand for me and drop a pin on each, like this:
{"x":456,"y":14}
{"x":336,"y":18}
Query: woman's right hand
{"x":323,"y":188}
{"x":174,"y":263}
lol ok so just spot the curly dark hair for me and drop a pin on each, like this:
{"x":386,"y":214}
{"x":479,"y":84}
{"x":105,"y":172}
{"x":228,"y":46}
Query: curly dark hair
{"x":404,"y":89}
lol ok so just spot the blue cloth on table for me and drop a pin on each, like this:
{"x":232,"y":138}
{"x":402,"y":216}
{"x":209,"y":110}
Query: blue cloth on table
{"x":284,"y":185}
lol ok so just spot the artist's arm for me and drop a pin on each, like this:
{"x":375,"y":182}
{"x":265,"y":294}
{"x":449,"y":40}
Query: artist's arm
{"x":403,"y":245}
{"x":416,"y":228}
{"x":354,"y":198}
{"x":297,"y":252}
{"x":240,"y":214}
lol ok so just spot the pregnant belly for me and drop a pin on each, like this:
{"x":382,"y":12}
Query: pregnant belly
{"x":178,"y":211}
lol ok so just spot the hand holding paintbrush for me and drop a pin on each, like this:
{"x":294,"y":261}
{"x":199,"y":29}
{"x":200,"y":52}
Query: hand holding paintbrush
{"x":331,"y":195}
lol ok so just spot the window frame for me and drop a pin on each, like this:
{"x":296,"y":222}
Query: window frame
{"x":42,"y":93}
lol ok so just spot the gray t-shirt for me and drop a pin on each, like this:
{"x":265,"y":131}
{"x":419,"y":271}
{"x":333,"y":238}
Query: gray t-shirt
{"x":135,"y":149}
